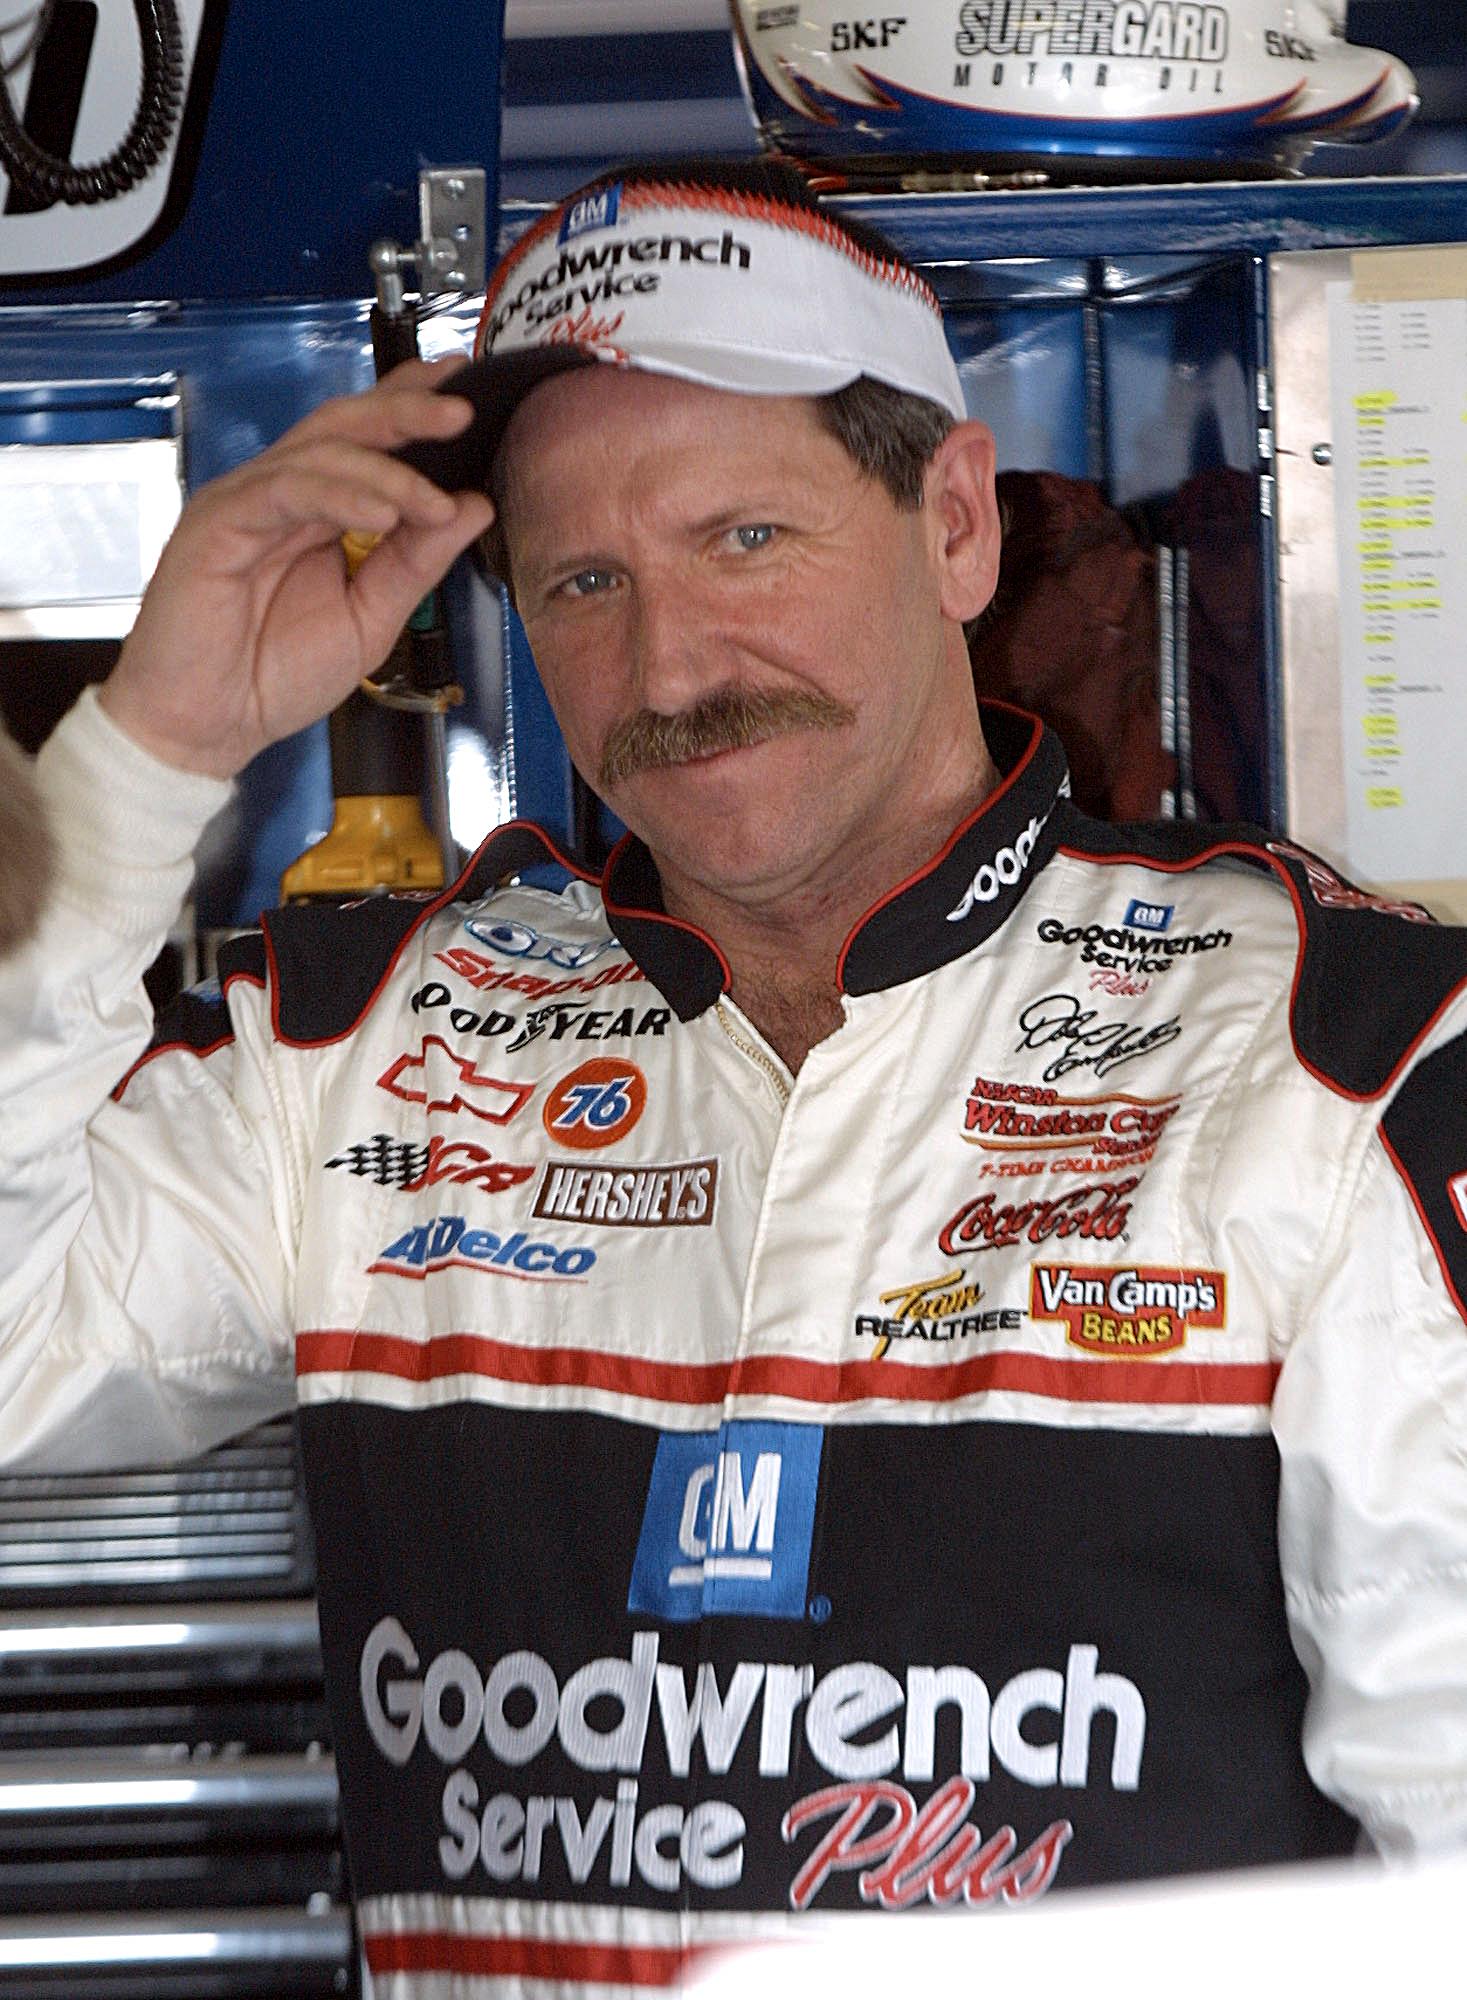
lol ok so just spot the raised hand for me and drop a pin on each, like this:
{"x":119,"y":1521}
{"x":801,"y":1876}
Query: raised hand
{"x":251,"y":627}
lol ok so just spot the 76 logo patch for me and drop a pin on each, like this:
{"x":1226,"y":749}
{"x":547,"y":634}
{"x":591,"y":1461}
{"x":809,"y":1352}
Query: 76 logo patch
{"x":596,"y":1104}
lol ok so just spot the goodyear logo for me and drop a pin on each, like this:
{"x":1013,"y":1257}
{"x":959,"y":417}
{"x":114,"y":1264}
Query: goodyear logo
{"x":1126,"y":1313}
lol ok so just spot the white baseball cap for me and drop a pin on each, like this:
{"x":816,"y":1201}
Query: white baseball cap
{"x":727,"y":274}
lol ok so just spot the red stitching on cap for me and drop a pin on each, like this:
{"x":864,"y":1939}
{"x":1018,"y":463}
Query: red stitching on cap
{"x":763,"y":208}
{"x":726,"y":201}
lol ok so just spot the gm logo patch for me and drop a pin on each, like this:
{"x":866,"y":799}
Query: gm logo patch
{"x":1150,"y":916}
{"x":728,"y":1523}
{"x":592,"y":211}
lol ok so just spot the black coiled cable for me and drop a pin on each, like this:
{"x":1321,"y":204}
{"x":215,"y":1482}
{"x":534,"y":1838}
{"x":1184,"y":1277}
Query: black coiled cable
{"x":45,"y":178}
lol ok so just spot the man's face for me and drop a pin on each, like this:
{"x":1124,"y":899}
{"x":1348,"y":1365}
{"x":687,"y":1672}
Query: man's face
{"x":676,"y":547}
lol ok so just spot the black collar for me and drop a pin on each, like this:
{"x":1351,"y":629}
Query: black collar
{"x":962,"y":896}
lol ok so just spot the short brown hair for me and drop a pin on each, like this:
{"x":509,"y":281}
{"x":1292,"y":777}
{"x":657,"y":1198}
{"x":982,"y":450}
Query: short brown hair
{"x":890,"y":433}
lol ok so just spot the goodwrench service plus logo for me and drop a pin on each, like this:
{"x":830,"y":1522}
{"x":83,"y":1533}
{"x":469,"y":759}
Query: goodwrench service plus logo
{"x":638,"y":1723}
{"x":569,"y":290}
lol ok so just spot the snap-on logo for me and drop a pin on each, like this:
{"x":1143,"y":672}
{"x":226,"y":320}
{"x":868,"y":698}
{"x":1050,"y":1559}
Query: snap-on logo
{"x":592,"y":211}
{"x":728,"y":1523}
{"x":1457,"y":1189}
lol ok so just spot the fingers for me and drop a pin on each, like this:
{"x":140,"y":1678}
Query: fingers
{"x":312,"y":493}
{"x":403,"y":406}
{"x":405,"y":565}
{"x":349,"y":486}
{"x":335,"y":469}
{"x":416,"y":369}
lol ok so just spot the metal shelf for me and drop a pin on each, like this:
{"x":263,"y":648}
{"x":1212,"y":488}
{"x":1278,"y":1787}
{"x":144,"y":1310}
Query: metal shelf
{"x":1257,"y":217}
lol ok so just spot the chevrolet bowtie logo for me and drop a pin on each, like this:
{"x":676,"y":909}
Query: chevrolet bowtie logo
{"x":440,"y":1079}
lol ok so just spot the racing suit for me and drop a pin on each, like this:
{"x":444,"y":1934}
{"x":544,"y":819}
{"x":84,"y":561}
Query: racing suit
{"x":978,"y":1462}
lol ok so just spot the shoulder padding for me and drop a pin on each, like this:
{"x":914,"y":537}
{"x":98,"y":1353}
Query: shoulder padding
{"x":327,"y":961}
{"x":1371,"y":974}
{"x":1425,"y":1133}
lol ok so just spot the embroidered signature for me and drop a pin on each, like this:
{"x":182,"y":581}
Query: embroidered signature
{"x":1085,"y":1041}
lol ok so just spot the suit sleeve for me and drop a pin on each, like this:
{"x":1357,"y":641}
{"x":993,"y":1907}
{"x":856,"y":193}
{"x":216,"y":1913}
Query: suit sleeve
{"x":1371,"y":1420}
{"x":148,"y":1238}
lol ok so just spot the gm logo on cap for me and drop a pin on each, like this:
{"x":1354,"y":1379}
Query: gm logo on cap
{"x":728,"y":1524}
{"x":592,"y":211}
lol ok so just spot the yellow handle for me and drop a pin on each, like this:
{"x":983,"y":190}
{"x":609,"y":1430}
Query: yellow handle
{"x":357,"y":544}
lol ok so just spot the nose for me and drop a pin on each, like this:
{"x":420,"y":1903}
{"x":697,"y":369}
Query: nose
{"x":672,"y":661}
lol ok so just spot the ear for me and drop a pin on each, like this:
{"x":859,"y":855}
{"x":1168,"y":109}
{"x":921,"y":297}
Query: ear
{"x":962,"y":513}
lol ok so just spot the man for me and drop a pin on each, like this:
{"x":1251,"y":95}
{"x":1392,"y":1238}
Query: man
{"x":797,"y":1343}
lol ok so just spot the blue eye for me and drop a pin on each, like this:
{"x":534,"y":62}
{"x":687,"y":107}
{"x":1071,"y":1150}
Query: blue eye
{"x":755,"y":535}
{"x":588,"y":583}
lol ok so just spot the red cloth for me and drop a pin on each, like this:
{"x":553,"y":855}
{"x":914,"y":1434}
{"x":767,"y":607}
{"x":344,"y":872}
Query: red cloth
{"x":1071,"y":634}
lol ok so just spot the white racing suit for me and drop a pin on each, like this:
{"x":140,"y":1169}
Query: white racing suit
{"x":915,"y":1483}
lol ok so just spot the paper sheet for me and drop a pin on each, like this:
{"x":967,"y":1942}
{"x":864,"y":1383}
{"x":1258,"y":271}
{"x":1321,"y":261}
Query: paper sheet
{"x":1398,"y":383}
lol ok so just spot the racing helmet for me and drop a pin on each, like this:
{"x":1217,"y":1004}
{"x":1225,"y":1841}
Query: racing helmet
{"x":1214,"y":85}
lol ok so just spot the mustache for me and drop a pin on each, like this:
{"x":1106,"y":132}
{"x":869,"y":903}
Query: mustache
{"x":731,"y":718}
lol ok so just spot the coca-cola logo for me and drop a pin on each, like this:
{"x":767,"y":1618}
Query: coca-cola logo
{"x":986,"y":1223}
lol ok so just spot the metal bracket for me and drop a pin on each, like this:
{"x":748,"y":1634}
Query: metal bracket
{"x":451,"y":252}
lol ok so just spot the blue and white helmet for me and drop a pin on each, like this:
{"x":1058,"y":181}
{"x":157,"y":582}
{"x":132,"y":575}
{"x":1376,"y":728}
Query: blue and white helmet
{"x":1238,"y":81}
